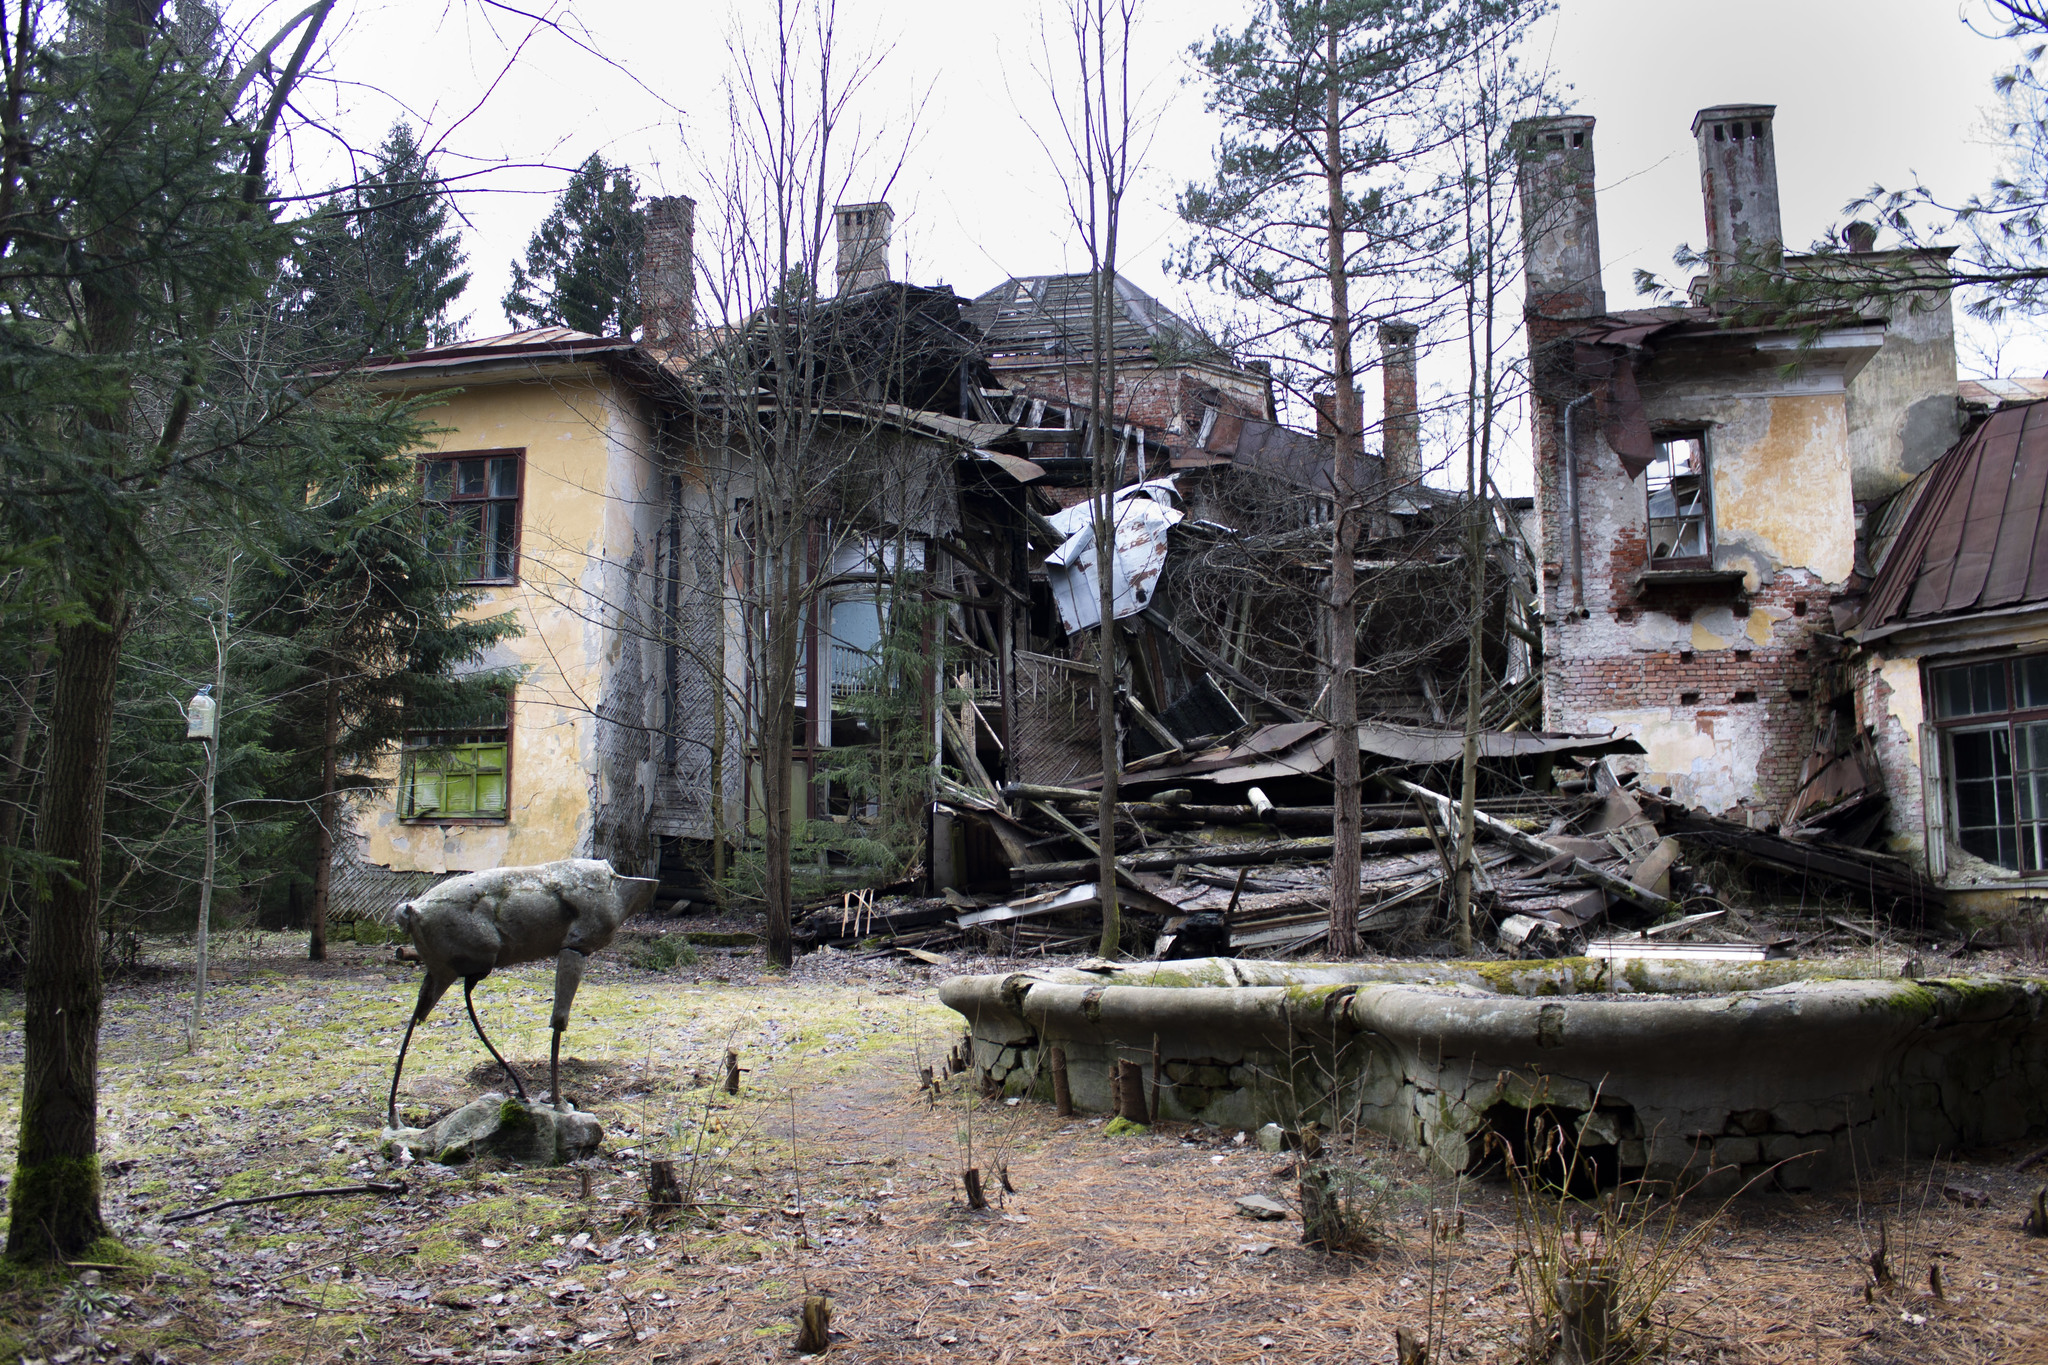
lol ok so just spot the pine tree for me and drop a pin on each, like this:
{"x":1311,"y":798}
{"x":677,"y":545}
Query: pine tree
{"x":379,"y":266}
{"x":376,"y":623}
{"x":581,"y":262}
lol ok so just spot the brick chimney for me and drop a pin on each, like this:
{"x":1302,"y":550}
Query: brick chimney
{"x":667,"y":270}
{"x":1560,"y":224}
{"x":1738,"y":181}
{"x":1401,"y":422}
{"x":863,"y":244}
{"x":1325,"y":404}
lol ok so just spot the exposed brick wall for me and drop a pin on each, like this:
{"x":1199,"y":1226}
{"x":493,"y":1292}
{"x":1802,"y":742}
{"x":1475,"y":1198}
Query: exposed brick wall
{"x":1718,"y":685}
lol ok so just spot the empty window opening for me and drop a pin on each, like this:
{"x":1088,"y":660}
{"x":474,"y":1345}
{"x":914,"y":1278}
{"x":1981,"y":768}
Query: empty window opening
{"x":1799,"y":607}
{"x":1742,"y":697}
{"x":1681,"y":533}
{"x":1688,"y":699}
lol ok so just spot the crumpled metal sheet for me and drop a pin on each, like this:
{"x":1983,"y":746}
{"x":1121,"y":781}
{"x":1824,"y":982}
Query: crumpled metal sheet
{"x":1142,"y":517}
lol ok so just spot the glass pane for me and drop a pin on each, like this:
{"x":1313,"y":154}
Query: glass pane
{"x":440,"y":478}
{"x":423,"y":790}
{"x":1971,"y":690}
{"x":465,"y":532}
{"x":505,"y":477}
{"x":2030,"y":681}
{"x":499,"y":522}
{"x":469,"y":478}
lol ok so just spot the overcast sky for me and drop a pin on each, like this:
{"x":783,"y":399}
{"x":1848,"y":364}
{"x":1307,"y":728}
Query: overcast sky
{"x":1868,"y":92}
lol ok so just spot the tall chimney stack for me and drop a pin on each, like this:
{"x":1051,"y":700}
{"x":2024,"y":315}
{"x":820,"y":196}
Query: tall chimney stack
{"x":863,"y":244}
{"x":1401,"y":423}
{"x":1560,"y":224}
{"x":1738,"y":182}
{"x":667,"y":270}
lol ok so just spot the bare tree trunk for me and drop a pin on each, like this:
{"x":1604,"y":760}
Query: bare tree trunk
{"x":330,"y":811}
{"x":778,"y":782}
{"x":54,"y":1201}
{"x":1347,"y":821}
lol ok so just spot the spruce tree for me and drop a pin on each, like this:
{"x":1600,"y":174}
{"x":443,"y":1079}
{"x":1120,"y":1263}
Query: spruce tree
{"x":379,"y":266}
{"x":581,"y":262}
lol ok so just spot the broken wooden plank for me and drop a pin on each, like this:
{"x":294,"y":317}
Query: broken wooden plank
{"x":1229,"y":855}
{"x":1544,"y":852}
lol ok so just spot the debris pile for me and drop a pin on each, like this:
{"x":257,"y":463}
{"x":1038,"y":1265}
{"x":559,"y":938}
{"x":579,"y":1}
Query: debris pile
{"x":1222,"y":853}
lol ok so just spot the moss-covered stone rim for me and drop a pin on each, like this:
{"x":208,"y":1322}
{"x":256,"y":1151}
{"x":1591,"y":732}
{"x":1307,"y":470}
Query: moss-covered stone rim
{"x":1546,"y":977}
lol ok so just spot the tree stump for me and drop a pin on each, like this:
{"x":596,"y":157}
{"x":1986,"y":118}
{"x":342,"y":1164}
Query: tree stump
{"x":663,"y":1193}
{"x":1131,"y":1092}
{"x":1410,"y":1347}
{"x":971,"y":1179}
{"x":1585,"y":1314}
{"x":2037,"y":1217}
{"x":732,"y":1073}
{"x":1062,"y":1097}
{"x":814,"y":1325}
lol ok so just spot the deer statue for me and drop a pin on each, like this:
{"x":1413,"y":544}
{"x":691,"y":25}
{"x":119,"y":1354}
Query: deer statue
{"x":469,"y":925}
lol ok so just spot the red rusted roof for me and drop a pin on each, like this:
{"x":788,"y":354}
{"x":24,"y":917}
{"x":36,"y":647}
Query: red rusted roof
{"x":1976,"y":539}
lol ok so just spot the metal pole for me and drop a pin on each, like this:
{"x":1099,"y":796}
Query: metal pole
{"x":220,"y":668}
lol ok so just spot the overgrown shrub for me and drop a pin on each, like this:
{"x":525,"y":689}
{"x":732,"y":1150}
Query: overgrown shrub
{"x":664,"y":953}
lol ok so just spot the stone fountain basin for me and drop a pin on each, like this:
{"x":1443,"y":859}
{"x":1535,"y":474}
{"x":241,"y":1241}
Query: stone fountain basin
{"x":1788,"y":1073}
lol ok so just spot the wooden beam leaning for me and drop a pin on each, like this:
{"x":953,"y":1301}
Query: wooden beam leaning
{"x":1158,"y":620}
{"x":1536,"y":848}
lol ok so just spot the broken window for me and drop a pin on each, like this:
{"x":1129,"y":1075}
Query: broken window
{"x":475,"y":497}
{"x":456,"y":763}
{"x":855,"y":644}
{"x":1994,"y":721}
{"x":1681,"y":527}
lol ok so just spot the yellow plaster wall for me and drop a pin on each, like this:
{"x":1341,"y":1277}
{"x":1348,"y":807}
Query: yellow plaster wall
{"x":1785,"y":492}
{"x":583,"y":445}
{"x":1905,"y":703}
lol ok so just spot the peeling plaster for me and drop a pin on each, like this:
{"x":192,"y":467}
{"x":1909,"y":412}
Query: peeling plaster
{"x":1702,"y":638}
{"x":1708,"y":762}
{"x":1761,"y":620}
{"x":1787,"y":486}
{"x":1905,"y":704}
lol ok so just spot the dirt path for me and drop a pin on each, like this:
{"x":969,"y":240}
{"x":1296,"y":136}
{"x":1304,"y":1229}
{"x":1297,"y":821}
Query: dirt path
{"x":1123,"y":1250}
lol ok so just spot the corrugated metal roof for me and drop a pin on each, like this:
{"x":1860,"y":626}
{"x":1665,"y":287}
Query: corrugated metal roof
{"x":1976,"y":538}
{"x":1994,"y":392}
{"x":1051,"y":316}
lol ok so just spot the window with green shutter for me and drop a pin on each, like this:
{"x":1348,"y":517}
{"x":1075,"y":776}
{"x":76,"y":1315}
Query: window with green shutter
{"x":457,"y":771}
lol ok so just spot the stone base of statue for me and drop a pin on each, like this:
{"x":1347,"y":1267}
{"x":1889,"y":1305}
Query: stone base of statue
{"x":519,"y":1131}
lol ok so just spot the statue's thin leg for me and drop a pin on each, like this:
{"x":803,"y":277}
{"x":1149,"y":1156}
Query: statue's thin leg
{"x":406,"y":1042}
{"x":555,"y":1071}
{"x":568,"y":976}
{"x":430,"y":992}
{"x":468,"y":986}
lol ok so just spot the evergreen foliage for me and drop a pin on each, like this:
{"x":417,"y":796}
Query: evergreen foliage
{"x":379,"y":265}
{"x":580,"y":264}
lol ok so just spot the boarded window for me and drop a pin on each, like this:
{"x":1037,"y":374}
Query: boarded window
{"x":458,"y":765}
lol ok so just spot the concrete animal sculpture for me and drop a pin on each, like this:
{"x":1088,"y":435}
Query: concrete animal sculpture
{"x":467,"y":926}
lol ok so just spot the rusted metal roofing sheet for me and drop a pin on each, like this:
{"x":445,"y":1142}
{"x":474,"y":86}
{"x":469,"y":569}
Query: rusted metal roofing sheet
{"x":1976,"y":538}
{"x":1295,"y":748}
